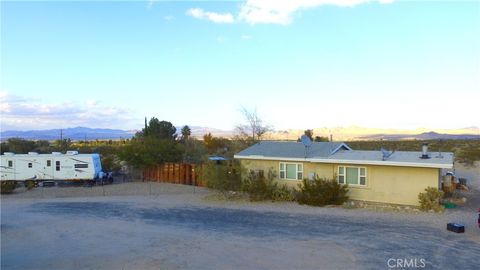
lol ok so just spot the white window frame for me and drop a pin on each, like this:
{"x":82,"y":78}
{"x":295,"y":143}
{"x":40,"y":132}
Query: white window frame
{"x":344,"y":175}
{"x":298,"y":171}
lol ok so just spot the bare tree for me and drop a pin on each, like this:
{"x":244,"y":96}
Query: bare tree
{"x":254,"y":127}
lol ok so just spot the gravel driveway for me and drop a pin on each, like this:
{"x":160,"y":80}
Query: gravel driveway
{"x":183,"y":231}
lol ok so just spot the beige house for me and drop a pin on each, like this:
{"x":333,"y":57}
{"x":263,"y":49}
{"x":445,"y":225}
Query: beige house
{"x":376,"y":176}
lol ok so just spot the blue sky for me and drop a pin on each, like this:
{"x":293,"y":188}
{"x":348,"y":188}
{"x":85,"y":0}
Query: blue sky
{"x":302,"y":64}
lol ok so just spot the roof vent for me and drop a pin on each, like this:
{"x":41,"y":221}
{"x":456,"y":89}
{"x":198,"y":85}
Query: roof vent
{"x":425,"y":151}
{"x":56,"y":153}
{"x":9,"y":154}
{"x":72,"y":153}
{"x":33,"y":153}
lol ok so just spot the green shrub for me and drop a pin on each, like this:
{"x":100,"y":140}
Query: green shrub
{"x":430,"y":199}
{"x":222,"y":177}
{"x":260,"y":188}
{"x":319,"y":192}
{"x":29,"y":184}
{"x":7,"y":187}
{"x":468,"y":155}
{"x":283,"y":193}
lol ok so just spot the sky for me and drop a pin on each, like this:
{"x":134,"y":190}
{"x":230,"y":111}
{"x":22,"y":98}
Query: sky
{"x":301,"y":64}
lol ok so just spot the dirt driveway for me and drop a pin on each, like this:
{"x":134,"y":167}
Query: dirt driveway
{"x":180,"y":230}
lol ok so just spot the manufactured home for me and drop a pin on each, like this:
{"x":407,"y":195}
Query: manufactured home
{"x":54,"y":166}
{"x":376,"y":176}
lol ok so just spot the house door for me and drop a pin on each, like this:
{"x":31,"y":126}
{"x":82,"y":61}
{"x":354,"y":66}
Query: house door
{"x":48,"y":169}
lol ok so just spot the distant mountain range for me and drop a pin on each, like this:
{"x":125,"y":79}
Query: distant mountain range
{"x":360,"y":133}
{"x":76,"y":133}
{"x":82,"y":133}
{"x":338,"y":133}
{"x":423,"y":136}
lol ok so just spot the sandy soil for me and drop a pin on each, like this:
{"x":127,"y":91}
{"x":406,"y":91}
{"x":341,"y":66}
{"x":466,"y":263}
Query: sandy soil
{"x":164,"y":226}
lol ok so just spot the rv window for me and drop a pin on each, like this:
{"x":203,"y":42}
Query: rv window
{"x":49,"y":163}
{"x":57,"y":165}
{"x":10,"y":163}
{"x":84,"y":165}
{"x":29,"y":165}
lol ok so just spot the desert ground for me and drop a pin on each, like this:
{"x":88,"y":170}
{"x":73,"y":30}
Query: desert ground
{"x":143,"y":225}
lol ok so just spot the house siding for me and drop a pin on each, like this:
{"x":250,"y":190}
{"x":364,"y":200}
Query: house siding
{"x":385,"y":184}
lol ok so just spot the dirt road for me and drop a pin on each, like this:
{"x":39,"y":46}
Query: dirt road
{"x":180,"y":230}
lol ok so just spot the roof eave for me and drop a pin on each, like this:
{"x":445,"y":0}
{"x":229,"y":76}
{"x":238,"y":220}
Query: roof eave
{"x":345,"y":161}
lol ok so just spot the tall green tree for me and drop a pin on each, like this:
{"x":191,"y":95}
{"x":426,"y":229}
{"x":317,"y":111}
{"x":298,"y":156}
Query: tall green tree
{"x":159,"y":129}
{"x":151,"y":151}
{"x":186,"y":132}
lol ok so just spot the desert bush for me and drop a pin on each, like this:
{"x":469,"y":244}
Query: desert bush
{"x":468,"y":155}
{"x":319,"y":192}
{"x":260,"y":187}
{"x":7,"y":187}
{"x":223,"y":177}
{"x":29,"y":184}
{"x":430,"y":199}
{"x":283,"y":193}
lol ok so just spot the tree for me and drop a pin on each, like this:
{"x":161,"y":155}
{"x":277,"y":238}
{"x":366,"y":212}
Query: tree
{"x":20,"y":146}
{"x":63,"y":145}
{"x":309,"y":134}
{"x":254,"y":127}
{"x":186,"y":132}
{"x":151,"y":151}
{"x":321,"y":139}
{"x":185,"y":139}
{"x":214,"y":144}
{"x":43,"y":146}
{"x":159,"y":129}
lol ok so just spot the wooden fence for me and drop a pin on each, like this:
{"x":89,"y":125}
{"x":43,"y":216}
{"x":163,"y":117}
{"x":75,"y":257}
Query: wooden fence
{"x":176,"y":173}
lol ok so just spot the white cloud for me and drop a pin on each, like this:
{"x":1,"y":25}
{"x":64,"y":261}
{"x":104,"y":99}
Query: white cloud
{"x":282,"y":11}
{"x":25,"y":113}
{"x":150,"y":3}
{"x":273,"y":11}
{"x":168,"y":18}
{"x":92,"y":102}
{"x":246,"y":37}
{"x":199,"y":13}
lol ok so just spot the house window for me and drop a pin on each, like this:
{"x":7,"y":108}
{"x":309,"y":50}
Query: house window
{"x":49,"y":163}
{"x":30,"y":165}
{"x":57,"y":165}
{"x":83,"y":165}
{"x":291,"y":171}
{"x":352,"y":175}
{"x":10,"y":163}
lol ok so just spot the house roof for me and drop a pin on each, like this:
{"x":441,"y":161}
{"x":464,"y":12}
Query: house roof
{"x":340,"y":153}
{"x":292,"y":149}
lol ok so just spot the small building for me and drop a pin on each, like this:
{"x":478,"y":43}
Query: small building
{"x":376,"y":176}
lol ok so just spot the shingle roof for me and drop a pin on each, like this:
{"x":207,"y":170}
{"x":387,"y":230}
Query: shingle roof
{"x":337,"y":152}
{"x":407,"y":158}
{"x":292,"y":149}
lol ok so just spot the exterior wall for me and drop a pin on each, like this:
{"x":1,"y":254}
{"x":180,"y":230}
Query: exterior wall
{"x":386,"y":184}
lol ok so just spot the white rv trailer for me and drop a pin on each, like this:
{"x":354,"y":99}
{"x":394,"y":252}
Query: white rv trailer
{"x":54,"y":166}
